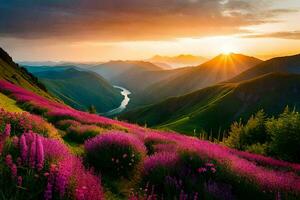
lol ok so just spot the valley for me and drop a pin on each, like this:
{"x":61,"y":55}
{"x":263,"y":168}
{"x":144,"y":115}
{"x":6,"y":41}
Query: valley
{"x":150,"y":100}
{"x":123,"y":105}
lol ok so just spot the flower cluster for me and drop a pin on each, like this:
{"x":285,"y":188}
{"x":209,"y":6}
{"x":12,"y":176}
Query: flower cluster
{"x":115,"y":153}
{"x":24,"y":122}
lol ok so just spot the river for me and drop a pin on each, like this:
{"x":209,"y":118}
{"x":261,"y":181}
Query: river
{"x":124,"y":102}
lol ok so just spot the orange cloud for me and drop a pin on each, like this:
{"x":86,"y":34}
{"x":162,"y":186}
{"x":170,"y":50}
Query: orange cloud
{"x":120,"y":20}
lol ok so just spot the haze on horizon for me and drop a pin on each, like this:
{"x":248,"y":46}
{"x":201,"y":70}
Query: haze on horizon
{"x":99,"y":30}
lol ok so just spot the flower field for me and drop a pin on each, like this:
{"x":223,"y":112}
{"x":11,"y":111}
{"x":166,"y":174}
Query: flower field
{"x":119,"y":160}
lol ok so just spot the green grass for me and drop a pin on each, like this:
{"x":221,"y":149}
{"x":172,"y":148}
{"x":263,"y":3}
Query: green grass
{"x":9,"y":104}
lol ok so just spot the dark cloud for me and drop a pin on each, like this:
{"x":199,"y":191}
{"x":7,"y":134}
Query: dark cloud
{"x":295,"y":35}
{"x":129,"y":19}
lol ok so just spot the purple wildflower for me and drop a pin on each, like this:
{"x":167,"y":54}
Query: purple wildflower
{"x":14,"y":170}
{"x":19,"y":181}
{"x":48,"y":192}
{"x":39,"y":153}
{"x":23,"y":148}
{"x":32,"y":152}
{"x":8,"y":160}
{"x":7,"y":130}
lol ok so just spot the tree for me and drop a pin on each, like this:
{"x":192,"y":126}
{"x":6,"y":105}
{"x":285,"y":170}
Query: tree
{"x":253,"y":133}
{"x":285,"y":135}
{"x":234,"y":138}
{"x":255,"y":130}
{"x":92,"y":109}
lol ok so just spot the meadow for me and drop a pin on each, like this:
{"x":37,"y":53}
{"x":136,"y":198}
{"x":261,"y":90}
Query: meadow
{"x":52,"y":151}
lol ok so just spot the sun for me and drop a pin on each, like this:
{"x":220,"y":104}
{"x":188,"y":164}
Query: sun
{"x":227,"y":49}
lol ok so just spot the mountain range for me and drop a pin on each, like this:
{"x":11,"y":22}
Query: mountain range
{"x":218,"y":69}
{"x":270,"y":85}
{"x":182,"y":60}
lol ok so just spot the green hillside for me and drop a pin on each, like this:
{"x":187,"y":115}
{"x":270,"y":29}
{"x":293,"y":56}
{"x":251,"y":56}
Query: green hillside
{"x":287,"y":64}
{"x":81,"y":89}
{"x":9,"y":104}
{"x":215,"y":108}
{"x":12,"y":72}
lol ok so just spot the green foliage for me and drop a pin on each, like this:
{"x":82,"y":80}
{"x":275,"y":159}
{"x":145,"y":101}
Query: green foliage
{"x":279,"y":137}
{"x":255,"y":131}
{"x":248,"y":136}
{"x":81,"y":133}
{"x":234,"y":139}
{"x":257,"y":148}
{"x":285,"y":134}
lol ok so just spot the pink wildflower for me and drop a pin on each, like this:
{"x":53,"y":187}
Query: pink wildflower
{"x":40,"y":153}
{"x":19,"y":180}
{"x":15,"y":141}
{"x":14,"y":170}
{"x":23,"y":148}
{"x":8,"y":160}
{"x":7,"y":130}
{"x":201,"y":170}
{"x":32,"y":153}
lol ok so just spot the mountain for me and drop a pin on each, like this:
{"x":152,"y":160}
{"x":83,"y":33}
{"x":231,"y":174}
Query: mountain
{"x":41,"y":68}
{"x":12,"y":72}
{"x":179,"y":60}
{"x":114,"y":69}
{"x":135,"y":76}
{"x":80,"y":89}
{"x":215,"y":108}
{"x":287,"y":64}
{"x":220,"y":68}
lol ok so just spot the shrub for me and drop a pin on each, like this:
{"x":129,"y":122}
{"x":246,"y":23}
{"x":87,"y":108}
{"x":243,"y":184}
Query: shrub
{"x":175,"y":174}
{"x":235,"y":134}
{"x":257,"y":148}
{"x":285,"y":133}
{"x":82,"y":132}
{"x":115,"y":154}
{"x":254,"y":132}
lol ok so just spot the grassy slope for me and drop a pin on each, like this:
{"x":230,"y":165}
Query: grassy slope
{"x":11,"y":72}
{"x":216,"y":107}
{"x":287,"y":64}
{"x":80,"y":89}
{"x":8,"y":104}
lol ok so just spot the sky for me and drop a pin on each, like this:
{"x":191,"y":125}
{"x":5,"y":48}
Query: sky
{"x":102,"y":30}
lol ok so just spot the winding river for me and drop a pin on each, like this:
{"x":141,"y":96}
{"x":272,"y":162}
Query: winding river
{"x":124,"y":102}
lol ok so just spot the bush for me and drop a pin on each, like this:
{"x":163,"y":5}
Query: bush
{"x":285,"y":134}
{"x":174,"y":174}
{"x":81,"y":133}
{"x":115,"y":154}
{"x":257,"y":148}
{"x":243,"y":136}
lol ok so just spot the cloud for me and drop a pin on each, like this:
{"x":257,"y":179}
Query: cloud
{"x":120,"y":20}
{"x":294,"y":35}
